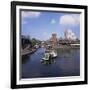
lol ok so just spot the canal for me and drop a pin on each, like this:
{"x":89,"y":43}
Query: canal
{"x":67,"y":63}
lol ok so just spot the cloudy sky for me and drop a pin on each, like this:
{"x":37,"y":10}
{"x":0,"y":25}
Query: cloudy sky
{"x":41,"y":25}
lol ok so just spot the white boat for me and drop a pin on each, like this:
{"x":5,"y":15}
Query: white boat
{"x":53,"y":53}
{"x":48,"y":53}
{"x":46,"y":56}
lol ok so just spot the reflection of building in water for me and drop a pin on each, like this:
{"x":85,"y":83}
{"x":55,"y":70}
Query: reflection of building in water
{"x":53,"y":40}
{"x":69,"y":35}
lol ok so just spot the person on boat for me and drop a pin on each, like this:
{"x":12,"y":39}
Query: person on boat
{"x":50,"y":57}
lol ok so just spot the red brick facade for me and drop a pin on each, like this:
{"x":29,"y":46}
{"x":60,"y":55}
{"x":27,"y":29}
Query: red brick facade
{"x":53,"y":40}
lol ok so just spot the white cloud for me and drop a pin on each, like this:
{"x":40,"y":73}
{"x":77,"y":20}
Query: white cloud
{"x":73,"y":19}
{"x":30,"y":14}
{"x":53,"y":21}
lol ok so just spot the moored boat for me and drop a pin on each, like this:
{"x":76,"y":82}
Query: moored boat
{"x":53,"y":53}
{"x":49,"y":54}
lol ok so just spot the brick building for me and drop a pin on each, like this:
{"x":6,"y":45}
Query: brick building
{"x":53,"y":40}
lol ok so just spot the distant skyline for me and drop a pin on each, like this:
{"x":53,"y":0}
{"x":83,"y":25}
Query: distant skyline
{"x":41,"y":25}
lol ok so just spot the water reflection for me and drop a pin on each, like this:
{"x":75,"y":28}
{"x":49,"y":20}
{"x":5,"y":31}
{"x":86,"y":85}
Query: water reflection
{"x":66,"y":53}
{"x":67,"y":63}
{"x":25,"y":58}
{"x":48,"y":62}
{"x":62,"y":53}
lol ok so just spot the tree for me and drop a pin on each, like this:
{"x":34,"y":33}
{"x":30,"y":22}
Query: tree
{"x":34,"y":41}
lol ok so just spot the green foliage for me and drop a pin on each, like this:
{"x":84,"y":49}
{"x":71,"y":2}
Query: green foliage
{"x":34,"y":41}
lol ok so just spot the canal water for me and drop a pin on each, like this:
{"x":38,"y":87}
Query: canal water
{"x":67,"y":63}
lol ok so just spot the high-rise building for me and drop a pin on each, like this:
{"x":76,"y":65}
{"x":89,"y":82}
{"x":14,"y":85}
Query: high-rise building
{"x":69,"y":35}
